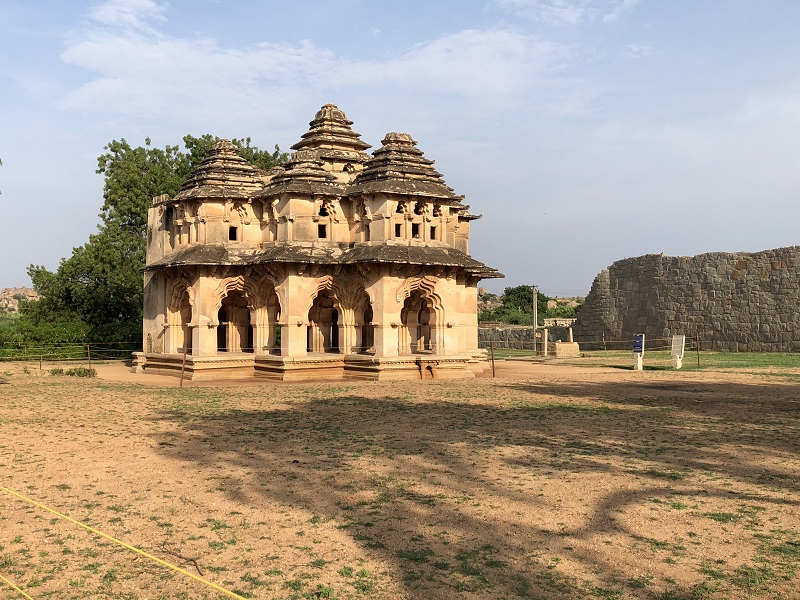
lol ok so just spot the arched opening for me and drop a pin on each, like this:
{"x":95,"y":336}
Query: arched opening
{"x":234,"y":332}
{"x":186,"y":318}
{"x":323,"y":324}
{"x":367,"y":330}
{"x":179,"y":315}
{"x":418,"y":324}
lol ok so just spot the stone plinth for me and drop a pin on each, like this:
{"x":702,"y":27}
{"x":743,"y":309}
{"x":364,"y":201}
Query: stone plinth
{"x":413,"y":367}
{"x":223,"y":366}
{"x":564,"y":349}
{"x":300,"y":368}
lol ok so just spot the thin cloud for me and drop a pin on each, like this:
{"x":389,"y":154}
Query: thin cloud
{"x":142,"y":70}
{"x":569,"y":12}
{"x":127,"y":13}
{"x":639,"y":50}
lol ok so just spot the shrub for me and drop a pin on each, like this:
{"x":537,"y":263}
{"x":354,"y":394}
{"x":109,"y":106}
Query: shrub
{"x":57,"y":371}
{"x":81,"y":372}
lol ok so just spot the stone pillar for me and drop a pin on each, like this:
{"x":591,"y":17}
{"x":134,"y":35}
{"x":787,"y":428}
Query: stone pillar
{"x":349,"y":341}
{"x":204,"y":337}
{"x":259,"y":322}
{"x":204,"y":317}
{"x":386,"y":340}
{"x":294,"y":339}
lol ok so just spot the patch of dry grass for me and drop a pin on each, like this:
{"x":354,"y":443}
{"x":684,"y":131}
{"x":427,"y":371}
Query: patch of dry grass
{"x":562,"y":483}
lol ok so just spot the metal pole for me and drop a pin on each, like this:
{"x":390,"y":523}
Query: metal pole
{"x":535,"y":317}
{"x":183,"y":363}
{"x":492,"y":347}
{"x":89,"y":355}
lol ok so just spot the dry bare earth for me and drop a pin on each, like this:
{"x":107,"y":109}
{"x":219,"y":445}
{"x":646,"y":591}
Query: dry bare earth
{"x":548,"y":482}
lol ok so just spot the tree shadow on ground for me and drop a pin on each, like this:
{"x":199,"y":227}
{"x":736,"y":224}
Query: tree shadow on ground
{"x":428,"y":487}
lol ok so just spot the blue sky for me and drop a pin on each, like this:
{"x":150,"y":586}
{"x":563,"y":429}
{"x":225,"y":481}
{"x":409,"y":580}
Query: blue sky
{"x":584,"y":131}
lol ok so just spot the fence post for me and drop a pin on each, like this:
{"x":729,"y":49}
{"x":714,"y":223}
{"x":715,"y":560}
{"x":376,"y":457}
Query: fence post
{"x":183,"y":362}
{"x":697,"y":345}
{"x":492,"y":347}
{"x":89,"y":356}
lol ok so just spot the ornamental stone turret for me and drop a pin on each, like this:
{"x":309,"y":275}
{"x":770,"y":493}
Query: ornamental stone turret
{"x":340,"y":149}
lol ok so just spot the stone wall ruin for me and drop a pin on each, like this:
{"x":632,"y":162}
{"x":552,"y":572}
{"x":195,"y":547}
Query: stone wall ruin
{"x":746,"y":302}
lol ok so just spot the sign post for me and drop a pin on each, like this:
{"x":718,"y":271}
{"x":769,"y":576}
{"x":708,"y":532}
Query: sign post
{"x":678,"y":346}
{"x":638,"y":351}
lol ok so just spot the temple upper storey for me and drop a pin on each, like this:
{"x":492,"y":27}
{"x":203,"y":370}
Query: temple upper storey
{"x":330,"y":193}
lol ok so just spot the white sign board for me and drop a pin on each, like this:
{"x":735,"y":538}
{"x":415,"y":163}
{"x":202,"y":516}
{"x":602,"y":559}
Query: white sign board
{"x":678,"y":346}
{"x":638,"y":351}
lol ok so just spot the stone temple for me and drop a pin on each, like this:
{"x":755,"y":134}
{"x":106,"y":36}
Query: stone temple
{"x":337,"y":264}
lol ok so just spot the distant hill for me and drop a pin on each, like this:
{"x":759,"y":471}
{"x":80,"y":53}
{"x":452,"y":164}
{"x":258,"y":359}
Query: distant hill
{"x":11,"y":297}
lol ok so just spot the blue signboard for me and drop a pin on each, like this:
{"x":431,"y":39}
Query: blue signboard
{"x":638,"y":343}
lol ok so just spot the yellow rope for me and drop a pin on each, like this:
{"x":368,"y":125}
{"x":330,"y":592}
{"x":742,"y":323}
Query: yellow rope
{"x":123,"y":544}
{"x":16,"y":588}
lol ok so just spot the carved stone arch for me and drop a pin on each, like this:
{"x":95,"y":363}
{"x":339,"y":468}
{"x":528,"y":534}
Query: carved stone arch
{"x":179,"y":314}
{"x":362,"y":316}
{"x":326,"y":316}
{"x":422,"y":317}
{"x":177,"y":289}
{"x":326,"y":282}
{"x":265,"y":310}
{"x":236,"y":325}
{"x":265,"y":287}
{"x":425,"y":283}
{"x":237,"y":283}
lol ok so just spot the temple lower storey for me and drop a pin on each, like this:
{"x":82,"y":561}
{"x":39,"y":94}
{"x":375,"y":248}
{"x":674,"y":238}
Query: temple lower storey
{"x":311,"y":367}
{"x":336,"y":265}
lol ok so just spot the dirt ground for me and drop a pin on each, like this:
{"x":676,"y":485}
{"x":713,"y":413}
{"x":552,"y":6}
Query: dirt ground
{"x":549,"y":481}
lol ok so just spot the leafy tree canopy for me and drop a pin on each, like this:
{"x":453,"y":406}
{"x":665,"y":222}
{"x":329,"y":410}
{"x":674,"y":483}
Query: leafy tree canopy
{"x":100,"y":285}
{"x":517,"y":307}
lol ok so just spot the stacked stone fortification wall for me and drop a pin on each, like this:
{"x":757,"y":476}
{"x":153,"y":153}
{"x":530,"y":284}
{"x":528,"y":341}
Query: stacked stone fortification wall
{"x":732,"y":301}
{"x":519,"y":337}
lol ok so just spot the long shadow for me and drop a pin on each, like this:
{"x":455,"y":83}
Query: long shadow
{"x":382,"y":474}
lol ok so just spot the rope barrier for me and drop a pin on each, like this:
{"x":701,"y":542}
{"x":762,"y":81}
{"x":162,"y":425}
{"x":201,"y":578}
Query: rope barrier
{"x":121,"y":543}
{"x":15,"y":588}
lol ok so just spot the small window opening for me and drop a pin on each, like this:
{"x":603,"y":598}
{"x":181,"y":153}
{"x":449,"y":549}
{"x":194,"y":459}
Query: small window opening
{"x":418,"y":208}
{"x":168,"y":217}
{"x":415,"y":230}
{"x":397,"y":227}
{"x":233,"y":233}
{"x":323,"y":211}
{"x":366,"y":233}
{"x":322,"y":231}
{"x":433,"y":232}
{"x":399,"y":208}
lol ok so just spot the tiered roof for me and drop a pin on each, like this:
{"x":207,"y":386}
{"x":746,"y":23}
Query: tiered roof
{"x":222,"y":174}
{"x":399,"y":167}
{"x":333,"y":138}
{"x":303,"y":173}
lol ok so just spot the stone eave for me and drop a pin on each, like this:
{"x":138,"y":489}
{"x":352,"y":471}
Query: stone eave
{"x":408,"y":187}
{"x":233,"y":254}
{"x":302,"y":187}
{"x":214,"y":192}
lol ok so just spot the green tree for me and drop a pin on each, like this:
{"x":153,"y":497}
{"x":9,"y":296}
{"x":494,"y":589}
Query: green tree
{"x":517,"y":307}
{"x":98,"y":290}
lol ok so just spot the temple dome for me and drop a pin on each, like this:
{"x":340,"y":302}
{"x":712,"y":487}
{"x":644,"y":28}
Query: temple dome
{"x":399,"y":167}
{"x":332,"y":136}
{"x":303,"y":173}
{"x":222,"y":174}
